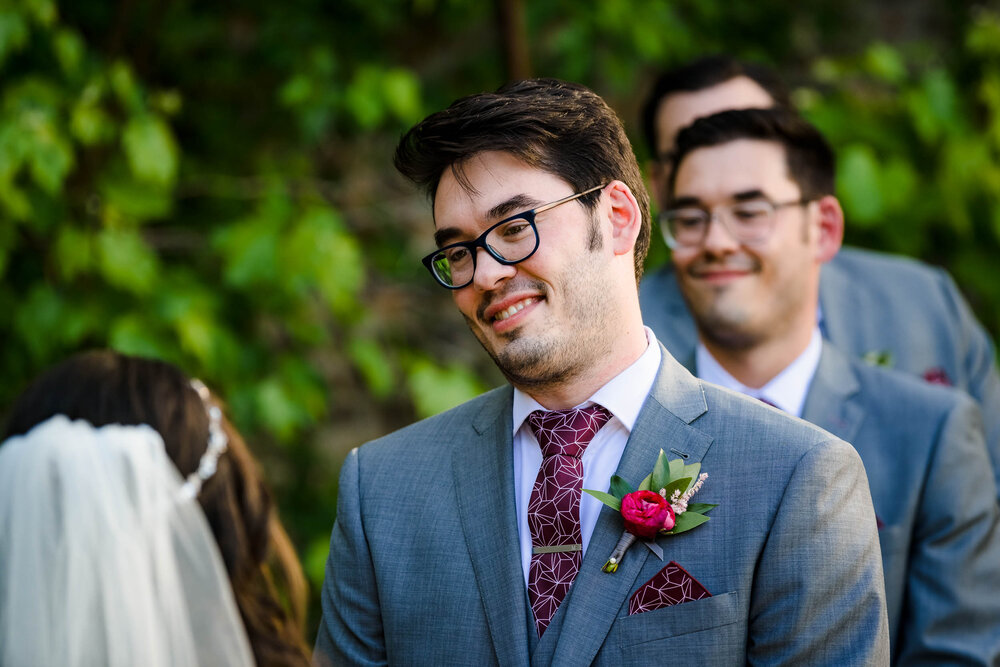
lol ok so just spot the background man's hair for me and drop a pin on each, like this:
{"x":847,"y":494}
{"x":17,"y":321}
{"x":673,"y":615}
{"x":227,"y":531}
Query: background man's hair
{"x":701,"y":74}
{"x":558,"y":127}
{"x":809,"y":158}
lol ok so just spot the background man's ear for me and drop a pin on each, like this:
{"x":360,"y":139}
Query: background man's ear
{"x":831,"y":227}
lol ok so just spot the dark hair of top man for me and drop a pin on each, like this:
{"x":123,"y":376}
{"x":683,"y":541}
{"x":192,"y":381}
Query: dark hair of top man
{"x":106,"y":387}
{"x":705,"y":73}
{"x":558,"y":127}
{"x":808,"y":157}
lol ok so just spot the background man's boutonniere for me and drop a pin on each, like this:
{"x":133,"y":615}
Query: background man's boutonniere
{"x":659,"y":507}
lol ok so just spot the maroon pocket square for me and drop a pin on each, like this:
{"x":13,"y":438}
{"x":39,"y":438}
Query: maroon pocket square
{"x":671,"y":585}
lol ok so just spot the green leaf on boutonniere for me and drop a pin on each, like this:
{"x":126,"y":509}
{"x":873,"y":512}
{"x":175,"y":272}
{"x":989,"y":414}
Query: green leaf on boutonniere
{"x":619,"y":487}
{"x":687,"y":521}
{"x":661,"y":473}
{"x":701,"y":508}
{"x":647,"y":483}
{"x":676,"y":468}
{"x":681,"y":484}
{"x":607,"y":499}
{"x":692,"y":470}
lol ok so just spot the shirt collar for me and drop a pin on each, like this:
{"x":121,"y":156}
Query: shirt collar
{"x":786,"y":390}
{"x":622,"y":396}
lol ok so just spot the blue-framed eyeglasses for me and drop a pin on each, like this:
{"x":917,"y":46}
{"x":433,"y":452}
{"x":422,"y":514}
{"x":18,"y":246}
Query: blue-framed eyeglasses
{"x":509,"y":241}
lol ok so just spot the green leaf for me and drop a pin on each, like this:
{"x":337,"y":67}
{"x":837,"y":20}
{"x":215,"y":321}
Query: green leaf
{"x":885,"y":62}
{"x":676,"y":468}
{"x":692,"y":470}
{"x":13,"y":33}
{"x":858,"y":185}
{"x":278,"y":410}
{"x":434,"y":388}
{"x":133,"y":334}
{"x":661,"y":472}
{"x":69,"y":50}
{"x":151,"y":150}
{"x":646,"y":483}
{"x":371,"y":360}
{"x":607,"y":499}
{"x":402,"y":94}
{"x":701,"y":508}
{"x":126,"y":261}
{"x":680,"y":483}
{"x":619,"y":487}
{"x":687,"y":521}
{"x":73,"y":252}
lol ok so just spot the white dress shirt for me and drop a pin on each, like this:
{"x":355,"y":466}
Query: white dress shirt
{"x":623,"y":397}
{"x":787,"y":390}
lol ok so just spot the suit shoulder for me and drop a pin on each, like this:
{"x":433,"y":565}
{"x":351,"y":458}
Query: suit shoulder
{"x":862,"y":264}
{"x":890,"y":384}
{"x":907,"y":397}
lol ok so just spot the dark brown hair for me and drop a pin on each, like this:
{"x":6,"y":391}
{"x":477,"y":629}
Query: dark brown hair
{"x":700,"y":74}
{"x":809,"y":158}
{"x":559,"y":127}
{"x":105,"y":387}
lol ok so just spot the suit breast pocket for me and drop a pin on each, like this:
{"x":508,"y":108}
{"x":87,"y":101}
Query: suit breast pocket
{"x":640,"y":634}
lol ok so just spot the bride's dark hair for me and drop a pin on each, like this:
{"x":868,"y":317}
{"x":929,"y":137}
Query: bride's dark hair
{"x":105,"y":387}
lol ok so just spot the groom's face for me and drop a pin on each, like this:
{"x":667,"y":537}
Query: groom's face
{"x":542,"y":320}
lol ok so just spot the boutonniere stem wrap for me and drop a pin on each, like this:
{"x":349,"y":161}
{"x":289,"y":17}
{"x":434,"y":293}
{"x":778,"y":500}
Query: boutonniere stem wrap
{"x":660,"y":506}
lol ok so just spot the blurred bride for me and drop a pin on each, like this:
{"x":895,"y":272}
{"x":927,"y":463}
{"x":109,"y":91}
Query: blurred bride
{"x":135,"y":529}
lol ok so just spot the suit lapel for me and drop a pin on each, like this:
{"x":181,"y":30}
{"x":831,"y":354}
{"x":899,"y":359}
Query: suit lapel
{"x":839,"y":303}
{"x":597,"y":597}
{"x":833,"y":402}
{"x":491,"y":536}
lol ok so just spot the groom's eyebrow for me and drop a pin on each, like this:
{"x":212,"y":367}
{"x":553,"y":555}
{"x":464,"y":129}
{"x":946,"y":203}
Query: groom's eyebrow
{"x":515,"y":204}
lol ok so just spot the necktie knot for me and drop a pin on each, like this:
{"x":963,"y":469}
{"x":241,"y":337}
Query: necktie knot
{"x":567,"y":432}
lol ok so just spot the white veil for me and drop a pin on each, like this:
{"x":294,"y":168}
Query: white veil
{"x":102,"y":560}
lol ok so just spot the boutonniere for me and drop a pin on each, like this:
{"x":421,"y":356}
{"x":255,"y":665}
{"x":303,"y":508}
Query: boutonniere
{"x":660,"y":506}
{"x":878,"y":358}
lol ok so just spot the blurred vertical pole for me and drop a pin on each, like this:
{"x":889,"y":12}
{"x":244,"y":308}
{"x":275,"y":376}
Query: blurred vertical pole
{"x":514,"y":39}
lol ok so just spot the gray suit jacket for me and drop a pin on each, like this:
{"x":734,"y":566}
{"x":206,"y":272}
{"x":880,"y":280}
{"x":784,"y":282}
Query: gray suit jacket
{"x":923,"y":450}
{"x":873,"y":303}
{"x":424,"y":564}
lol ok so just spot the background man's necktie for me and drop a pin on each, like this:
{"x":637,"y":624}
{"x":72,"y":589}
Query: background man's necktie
{"x":554,"y":505}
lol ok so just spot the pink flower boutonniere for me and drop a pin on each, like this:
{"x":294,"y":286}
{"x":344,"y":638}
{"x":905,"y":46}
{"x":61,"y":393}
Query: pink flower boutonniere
{"x":661,"y":505}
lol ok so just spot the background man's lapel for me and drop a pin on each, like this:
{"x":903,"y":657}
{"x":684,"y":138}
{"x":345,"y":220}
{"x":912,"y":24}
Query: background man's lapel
{"x":483,"y":469}
{"x":597,"y":597}
{"x":833,"y":402}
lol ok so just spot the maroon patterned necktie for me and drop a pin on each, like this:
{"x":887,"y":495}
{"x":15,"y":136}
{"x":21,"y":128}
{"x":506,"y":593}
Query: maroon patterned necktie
{"x":554,"y":505}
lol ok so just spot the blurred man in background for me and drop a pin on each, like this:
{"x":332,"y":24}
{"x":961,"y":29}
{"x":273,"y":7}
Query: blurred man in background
{"x":872,"y":305}
{"x":752,"y":217}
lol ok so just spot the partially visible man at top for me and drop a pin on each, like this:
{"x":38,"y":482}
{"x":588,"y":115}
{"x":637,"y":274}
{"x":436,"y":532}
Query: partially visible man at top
{"x":752,"y":219}
{"x":465,"y":539}
{"x":871,"y":305}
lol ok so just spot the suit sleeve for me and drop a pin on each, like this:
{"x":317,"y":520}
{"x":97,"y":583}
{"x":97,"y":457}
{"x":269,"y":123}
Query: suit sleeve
{"x":979,"y":360}
{"x":952,"y":608}
{"x":350,"y":629}
{"x":819,"y":597}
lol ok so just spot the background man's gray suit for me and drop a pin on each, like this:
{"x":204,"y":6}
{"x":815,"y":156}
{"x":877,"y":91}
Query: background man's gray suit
{"x":425,"y":547}
{"x":935,"y":499}
{"x":872,"y":304}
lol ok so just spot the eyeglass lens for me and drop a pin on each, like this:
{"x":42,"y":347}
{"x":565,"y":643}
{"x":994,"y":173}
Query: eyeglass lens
{"x":746,"y":221}
{"x":511,"y":241}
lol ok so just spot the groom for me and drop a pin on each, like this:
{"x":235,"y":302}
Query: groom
{"x":465,"y":539}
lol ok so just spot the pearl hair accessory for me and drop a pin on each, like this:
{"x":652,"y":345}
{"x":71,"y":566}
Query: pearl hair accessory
{"x":217,"y":444}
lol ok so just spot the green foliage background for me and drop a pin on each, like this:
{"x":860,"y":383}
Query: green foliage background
{"x":210,"y":183}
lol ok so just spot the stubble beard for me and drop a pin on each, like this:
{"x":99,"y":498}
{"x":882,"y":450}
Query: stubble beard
{"x":558,"y":356}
